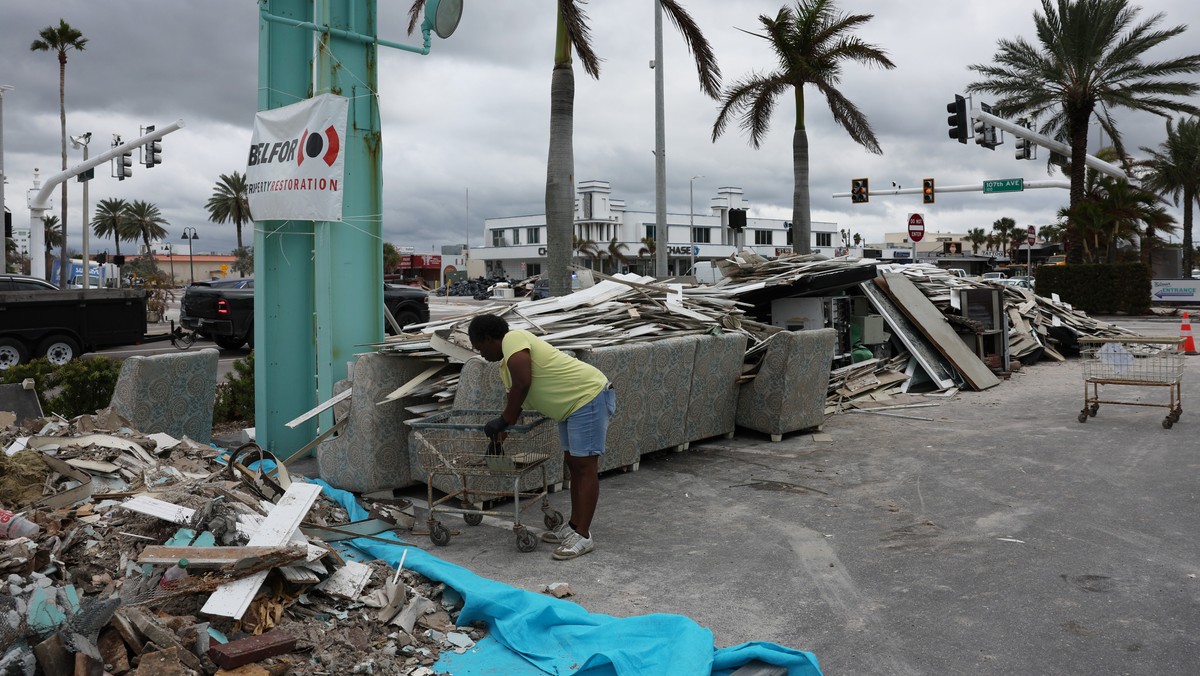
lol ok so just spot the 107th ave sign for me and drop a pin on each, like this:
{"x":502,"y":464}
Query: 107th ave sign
{"x":1004,"y":185}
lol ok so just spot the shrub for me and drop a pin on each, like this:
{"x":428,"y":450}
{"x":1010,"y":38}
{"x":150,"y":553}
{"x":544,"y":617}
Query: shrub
{"x":1105,"y":289}
{"x":79,"y":387}
{"x":235,"y":396}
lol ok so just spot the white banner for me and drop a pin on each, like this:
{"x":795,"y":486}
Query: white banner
{"x":297,"y":161}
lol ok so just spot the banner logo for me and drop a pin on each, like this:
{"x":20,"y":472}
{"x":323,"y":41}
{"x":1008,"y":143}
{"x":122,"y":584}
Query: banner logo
{"x":280,"y":183}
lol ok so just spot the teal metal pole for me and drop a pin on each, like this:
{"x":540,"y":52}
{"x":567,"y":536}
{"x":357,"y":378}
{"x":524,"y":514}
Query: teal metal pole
{"x":284,"y":309}
{"x":349,"y":254}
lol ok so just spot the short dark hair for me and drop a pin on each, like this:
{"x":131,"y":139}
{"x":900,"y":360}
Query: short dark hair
{"x":484,"y":327}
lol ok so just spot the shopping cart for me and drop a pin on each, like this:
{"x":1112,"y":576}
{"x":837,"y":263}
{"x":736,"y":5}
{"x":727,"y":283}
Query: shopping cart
{"x":453,"y":444}
{"x":1137,"y":362}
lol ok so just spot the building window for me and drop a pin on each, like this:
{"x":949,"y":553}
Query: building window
{"x":763,"y":237}
{"x":533,"y":269}
{"x":701,"y":235}
{"x":650,"y":232}
{"x":516,"y":236}
{"x":824,"y":238}
{"x":534,"y":235}
{"x":498,"y":238}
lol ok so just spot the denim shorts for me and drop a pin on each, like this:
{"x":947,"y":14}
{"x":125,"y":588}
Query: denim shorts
{"x":584,"y":432}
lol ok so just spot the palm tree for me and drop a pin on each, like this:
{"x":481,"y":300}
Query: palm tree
{"x":54,"y":237}
{"x":1016,"y":237}
{"x":976,"y":236}
{"x":585,"y":247}
{"x":229,"y":203}
{"x":573,"y":34}
{"x":148,"y":221}
{"x":60,"y":39}
{"x":1089,"y":56}
{"x":1002,"y":227}
{"x":111,"y":220}
{"x":616,"y":253}
{"x":811,"y":44}
{"x":1174,"y":172}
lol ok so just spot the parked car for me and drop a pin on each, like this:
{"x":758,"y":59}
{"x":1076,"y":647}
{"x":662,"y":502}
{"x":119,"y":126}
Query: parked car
{"x":25,"y":283}
{"x":1015,"y":282}
{"x":994,"y":275}
{"x":1058,"y":259}
{"x":957,"y":272}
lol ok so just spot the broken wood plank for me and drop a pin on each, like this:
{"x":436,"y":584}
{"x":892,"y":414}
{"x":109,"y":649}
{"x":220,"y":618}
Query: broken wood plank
{"x":217,"y":557}
{"x":315,"y":411}
{"x":232,"y":599}
{"x":348,"y":581}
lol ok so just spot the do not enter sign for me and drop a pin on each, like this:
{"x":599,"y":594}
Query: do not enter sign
{"x":1032,"y":235}
{"x":916,"y":227}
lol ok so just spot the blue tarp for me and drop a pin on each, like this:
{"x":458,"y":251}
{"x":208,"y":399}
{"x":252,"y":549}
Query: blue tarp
{"x":535,"y":633}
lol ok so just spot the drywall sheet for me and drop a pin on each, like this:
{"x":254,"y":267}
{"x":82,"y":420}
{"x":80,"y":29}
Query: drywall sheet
{"x":934,"y":364}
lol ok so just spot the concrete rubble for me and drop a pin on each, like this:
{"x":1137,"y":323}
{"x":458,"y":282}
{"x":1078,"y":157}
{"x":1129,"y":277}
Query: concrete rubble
{"x":83,"y":596}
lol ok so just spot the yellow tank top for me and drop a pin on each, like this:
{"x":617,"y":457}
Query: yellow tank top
{"x":561,"y":384}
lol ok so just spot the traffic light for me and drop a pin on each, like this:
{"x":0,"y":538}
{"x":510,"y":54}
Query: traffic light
{"x":927,"y":195}
{"x":125,"y":166}
{"x":118,"y":260}
{"x":1024,"y":149}
{"x":860,"y":191}
{"x":985,"y":134}
{"x":102,"y":257}
{"x":737,"y":219}
{"x":958,"y":118}
{"x":152,"y":152}
{"x":787,"y":226}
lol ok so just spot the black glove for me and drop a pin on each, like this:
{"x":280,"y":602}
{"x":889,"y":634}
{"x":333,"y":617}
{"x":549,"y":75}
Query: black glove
{"x":494,"y":427}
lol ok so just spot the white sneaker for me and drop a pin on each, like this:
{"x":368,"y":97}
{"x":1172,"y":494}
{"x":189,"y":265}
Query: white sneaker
{"x":558,"y":535}
{"x":573,"y":547}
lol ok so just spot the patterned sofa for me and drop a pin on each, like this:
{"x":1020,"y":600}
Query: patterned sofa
{"x":712,"y":401}
{"x":371,"y":451}
{"x":788,"y":394}
{"x":171,"y":393}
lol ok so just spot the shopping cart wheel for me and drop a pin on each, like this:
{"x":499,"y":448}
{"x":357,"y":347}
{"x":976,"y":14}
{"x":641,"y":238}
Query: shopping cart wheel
{"x":526,"y":542}
{"x":439,"y":534}
{"x":1175,"y":414}
{"x":553,"y":519}
{"x":1093,"y":409}
{"x":1168,"y":423}
{"x":1083,"y":416}
{"x":473,"y":518}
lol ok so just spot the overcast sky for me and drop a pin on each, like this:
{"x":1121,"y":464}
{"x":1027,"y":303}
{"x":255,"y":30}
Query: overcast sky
{"x":472,"y":117}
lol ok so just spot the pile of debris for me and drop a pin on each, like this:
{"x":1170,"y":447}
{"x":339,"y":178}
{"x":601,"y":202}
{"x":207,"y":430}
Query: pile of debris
{"x":632,"y":308}
{"x":145,"y":554}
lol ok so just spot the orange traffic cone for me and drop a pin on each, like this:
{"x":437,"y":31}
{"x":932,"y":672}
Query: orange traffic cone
{"x":1185,"y":332}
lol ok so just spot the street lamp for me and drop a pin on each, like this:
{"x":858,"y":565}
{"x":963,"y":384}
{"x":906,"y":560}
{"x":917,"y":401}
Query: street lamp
{"x":171,"y":257}
{"x":692,"y":219}
{"x":189,"y":234}
{"x":82,"y":141}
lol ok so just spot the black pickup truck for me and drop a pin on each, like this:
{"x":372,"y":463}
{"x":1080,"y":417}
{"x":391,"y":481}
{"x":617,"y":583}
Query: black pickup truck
{"x":39,"y":320}
{"x":224,"y":309}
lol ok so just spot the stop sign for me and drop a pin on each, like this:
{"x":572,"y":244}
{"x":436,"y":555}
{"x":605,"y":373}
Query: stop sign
{"x":1032,"y":235}
{"x":916,"y":227}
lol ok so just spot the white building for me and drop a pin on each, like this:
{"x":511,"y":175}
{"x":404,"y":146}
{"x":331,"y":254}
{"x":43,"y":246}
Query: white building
{"x":515,"y":246}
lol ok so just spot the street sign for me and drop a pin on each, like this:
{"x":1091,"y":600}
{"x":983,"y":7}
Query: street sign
{"x":1004,"y":185}
{"x":916,"y":227}
{"x":85,"y":176}
{"x":1032,"y":235}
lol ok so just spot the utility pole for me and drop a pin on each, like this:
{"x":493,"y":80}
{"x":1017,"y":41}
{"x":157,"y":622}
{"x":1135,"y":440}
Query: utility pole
{"x":82,"y":142}
{"x":661,"y":240}
{"x":3,"y":237}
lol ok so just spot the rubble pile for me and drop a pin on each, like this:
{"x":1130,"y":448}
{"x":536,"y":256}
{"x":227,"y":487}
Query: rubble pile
{"x":251,"y":592}
{"x":628,"y":308}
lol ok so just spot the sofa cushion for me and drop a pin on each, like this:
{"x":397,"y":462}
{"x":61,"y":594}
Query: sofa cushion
{"x":171,"y":393}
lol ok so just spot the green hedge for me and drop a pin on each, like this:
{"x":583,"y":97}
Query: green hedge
{"x":81,"y":386}
{"x":235,"y":396}
{"x":1098,"y":289}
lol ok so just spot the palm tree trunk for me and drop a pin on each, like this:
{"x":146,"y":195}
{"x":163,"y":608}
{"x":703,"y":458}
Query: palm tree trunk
{"x":801,"y":200}
{"x":1078,"y":126}
{"x":62,"y":121}
{"x":560,"y":179}
{"x":1189,"y":253}
{"x":238,"y":224}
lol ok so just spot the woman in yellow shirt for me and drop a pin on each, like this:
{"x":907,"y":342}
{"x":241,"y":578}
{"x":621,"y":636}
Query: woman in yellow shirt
{"x":561,"y":387}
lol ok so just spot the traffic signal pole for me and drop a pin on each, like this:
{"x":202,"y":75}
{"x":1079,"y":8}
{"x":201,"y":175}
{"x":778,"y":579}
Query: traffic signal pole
{"x":1061,"y":148}
{"x":39,"y":202}
{"x":974,"y":187}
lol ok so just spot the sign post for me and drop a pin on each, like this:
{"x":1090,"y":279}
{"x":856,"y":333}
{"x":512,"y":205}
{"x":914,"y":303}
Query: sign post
{"x":916,"y":231}
{"x":1029,"y":259}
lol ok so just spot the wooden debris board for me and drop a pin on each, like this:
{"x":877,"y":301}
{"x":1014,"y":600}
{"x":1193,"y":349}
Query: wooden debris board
{"x":932,"y":323}
{"x":216,"y":557}
{"x":232,"y":599}
{"x":160,"y":509}
{"x":348,"y":581}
